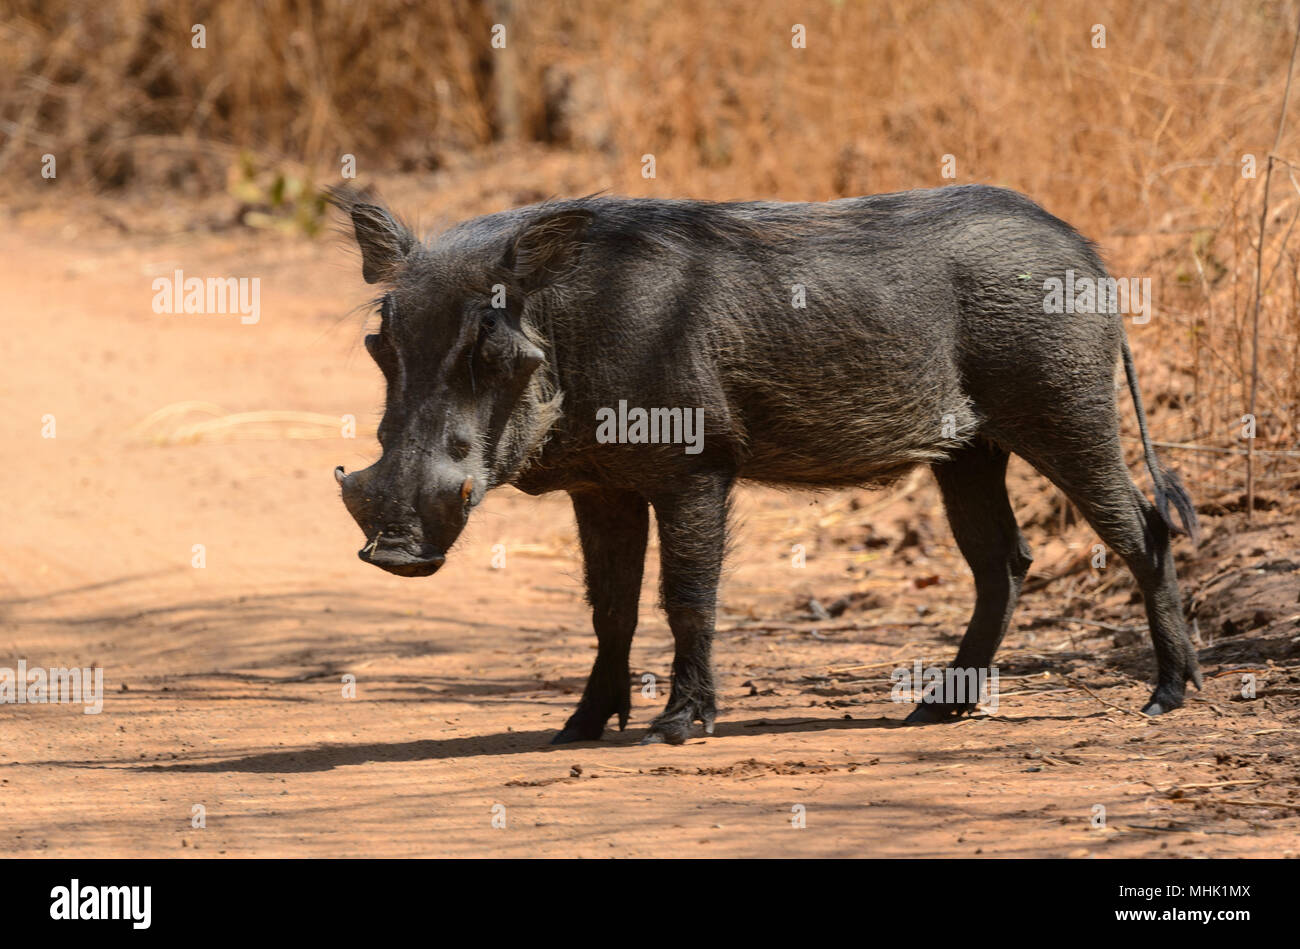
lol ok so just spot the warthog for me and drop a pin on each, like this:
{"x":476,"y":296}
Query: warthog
{"x":828,"y":345}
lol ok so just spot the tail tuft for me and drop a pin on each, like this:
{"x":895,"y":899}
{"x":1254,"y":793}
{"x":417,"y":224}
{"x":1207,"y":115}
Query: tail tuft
{"x":1168,"y":486}
{"x":1171,"y":490}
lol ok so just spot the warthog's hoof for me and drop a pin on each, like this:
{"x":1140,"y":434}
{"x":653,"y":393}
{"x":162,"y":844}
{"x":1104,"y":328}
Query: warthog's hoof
{"x":1163,"y":700}
{"x":584,"y":725}
{"x":587,"y":723}
{"x":675,"y":725}
{"x":569,"y":734}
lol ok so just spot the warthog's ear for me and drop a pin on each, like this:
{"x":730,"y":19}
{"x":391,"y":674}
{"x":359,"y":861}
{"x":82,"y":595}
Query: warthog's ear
{"x":384,"y":241}
{"x":548,"y":248}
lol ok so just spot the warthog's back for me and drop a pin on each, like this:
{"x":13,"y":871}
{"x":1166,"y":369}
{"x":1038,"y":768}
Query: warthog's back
{"x":828,"y":343}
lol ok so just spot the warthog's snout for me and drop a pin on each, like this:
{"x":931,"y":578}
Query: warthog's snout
{"x":402,"y":557}
{"x":406,"y":539}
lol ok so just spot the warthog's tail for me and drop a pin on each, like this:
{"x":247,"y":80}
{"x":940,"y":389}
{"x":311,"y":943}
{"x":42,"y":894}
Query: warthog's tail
{"x":1168,"y":486}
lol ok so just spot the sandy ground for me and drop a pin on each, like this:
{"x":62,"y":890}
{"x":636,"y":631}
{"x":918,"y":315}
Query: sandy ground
{"x":225,"y":683}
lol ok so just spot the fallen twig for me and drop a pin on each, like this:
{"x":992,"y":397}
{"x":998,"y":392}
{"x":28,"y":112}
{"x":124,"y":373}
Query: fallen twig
{"x":1119,"y":708}
{"x":1294,"y":807}
{"x":1109,"y":627}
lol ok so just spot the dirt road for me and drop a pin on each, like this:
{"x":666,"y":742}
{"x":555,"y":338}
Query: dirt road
{"x":225,"y":683}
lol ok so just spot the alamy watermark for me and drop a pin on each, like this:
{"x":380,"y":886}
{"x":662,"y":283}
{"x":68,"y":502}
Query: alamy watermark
{"x":657,"y":426}
{"x":77,"y":901}
{"x":57,"y":686}
{"x":211,"y":295}
{"x":947,"y":685}
{"x":1099,"y":295}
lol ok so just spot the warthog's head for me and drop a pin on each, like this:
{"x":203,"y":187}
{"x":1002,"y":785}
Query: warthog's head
{"x":467,"y":406}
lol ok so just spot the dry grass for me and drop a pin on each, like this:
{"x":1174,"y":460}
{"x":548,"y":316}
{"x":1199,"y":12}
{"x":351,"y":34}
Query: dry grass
{"x":186,"y":423}
{"x":1139,"y":144}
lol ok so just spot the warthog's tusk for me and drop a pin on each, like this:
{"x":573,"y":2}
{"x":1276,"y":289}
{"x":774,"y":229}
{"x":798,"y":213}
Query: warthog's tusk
{"x":466,"y":489}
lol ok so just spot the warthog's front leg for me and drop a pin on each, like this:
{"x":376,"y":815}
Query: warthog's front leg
{"x":612,"y":526}
{"x":692,"y":537}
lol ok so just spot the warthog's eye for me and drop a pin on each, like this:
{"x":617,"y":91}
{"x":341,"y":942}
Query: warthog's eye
{"x":490,"y":343}
{"x":501,"y":346}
